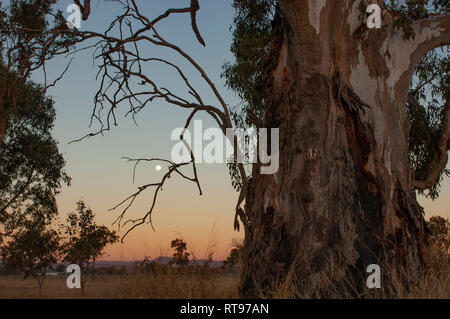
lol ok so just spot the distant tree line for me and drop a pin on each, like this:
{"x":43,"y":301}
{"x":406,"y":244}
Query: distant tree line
{"x":180,"y":261}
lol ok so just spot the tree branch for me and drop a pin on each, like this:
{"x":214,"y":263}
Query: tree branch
{"x":173,"y":168}
{"x":430,"y":33}
{"x":85,"y":10}
{"x":440,"y":162}
{"x":194,"y":8}
{"x":121,"y":68}
{"x":434,"y":31}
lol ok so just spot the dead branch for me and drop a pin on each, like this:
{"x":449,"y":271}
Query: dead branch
{"x":121,"y":66}
{"x":173,"y":168}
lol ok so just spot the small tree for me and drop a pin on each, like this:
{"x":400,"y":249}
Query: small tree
{"x":235,"y":254}
{"x":440,"y":234}
{"x":32,"y":249}
{"x":180,"y":257}
{"x":86,"y":240}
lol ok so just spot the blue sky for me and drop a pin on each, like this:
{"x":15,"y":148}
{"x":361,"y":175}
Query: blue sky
{"x":102,"y":178}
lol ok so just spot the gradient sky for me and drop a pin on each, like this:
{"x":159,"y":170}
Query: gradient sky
{"x":102,"y":179}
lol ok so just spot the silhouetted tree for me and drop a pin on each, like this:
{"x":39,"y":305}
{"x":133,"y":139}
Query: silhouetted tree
{"x":32,"y":249}
{"x":180,"y":257}
{"x":85,"y":239}
{"x":31,"y":33}
{"x":31,"y":166}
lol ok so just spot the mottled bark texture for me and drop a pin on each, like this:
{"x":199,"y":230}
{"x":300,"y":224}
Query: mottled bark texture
{"x":343,"y":198}
{"x":2,"y":124}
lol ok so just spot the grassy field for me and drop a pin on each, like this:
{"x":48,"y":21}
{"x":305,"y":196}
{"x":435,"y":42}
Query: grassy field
{"x":202,"y":284}
{"x":126,"y":286}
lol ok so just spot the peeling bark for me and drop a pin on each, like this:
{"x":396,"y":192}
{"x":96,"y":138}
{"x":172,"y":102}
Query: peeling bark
{"x":343,"y":198}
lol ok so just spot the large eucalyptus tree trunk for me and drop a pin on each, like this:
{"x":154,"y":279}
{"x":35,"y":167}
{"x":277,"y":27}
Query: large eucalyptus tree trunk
{"x":343,"y":197}
{"x":2,"y":125}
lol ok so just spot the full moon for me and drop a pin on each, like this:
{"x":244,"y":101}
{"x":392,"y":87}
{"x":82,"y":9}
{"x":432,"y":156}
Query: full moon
{"x":158,"y":168}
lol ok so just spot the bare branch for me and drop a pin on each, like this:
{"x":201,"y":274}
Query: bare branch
{"x":173,"y":168}
{"x":47,"y":86}
{"x":121,"y":67}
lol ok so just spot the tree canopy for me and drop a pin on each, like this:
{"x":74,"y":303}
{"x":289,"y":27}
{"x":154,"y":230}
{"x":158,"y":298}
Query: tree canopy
{"x":32,"y":167}
{"x":32,"y":249}
{"x":86,"y":240}
{"x":180,"y":256}
{"x":31,"y":33}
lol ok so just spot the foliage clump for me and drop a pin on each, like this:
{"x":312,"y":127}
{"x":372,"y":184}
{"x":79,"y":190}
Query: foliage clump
{"x":85,"y":239}
{"x":440,"y":235}
{"x":180,"y":256}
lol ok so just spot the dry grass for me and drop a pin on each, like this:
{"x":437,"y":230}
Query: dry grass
{"x":55,"y":287}
{"x":180,"y":286}
{"x":434,"y":284}
{"x":157,"y":286}
{"x":165,"y":284}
